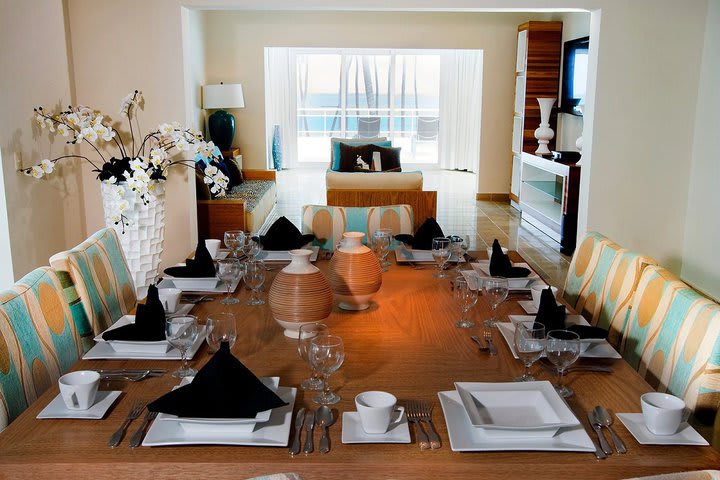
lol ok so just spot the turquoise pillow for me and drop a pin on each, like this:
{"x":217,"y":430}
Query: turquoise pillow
{"x":354,"y":142}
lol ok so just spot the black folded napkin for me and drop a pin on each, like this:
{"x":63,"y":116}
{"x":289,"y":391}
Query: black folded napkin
{"x":553,"y":316}
{"x":501,"y":266}
{"x":149,"y":323}
{"x":200,"y":266}
{"x":422,"y":240}
{"x":223,"y":388}
{"x":283,"y":235}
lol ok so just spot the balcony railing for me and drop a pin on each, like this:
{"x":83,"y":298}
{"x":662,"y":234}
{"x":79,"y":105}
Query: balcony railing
{"x":329,"y":121}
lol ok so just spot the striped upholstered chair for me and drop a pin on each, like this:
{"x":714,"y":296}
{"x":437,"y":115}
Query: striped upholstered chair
{"x":672,"y":338}
{"x":329,"y":223}
{"x":98,"y":268}
{"x":39,"y":340}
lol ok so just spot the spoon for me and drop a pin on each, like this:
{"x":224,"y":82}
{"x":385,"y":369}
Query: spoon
{"x":325,"y":417}
{"x":602,"y":416}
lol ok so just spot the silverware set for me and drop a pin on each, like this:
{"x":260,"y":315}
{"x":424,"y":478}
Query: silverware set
{"x":323,"y":418}
{"x":420,"y":413}
{"x":135,"y":412}
{"x":600,"y":419}
{"x":195,"y":299}
{"x":130,"y":375}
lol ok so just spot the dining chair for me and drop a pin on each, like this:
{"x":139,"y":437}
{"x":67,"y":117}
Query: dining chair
{"x":100,"y":273}
{"x":328,"y":223}
{"x":39,"y":340}
{"x":672,"y":338}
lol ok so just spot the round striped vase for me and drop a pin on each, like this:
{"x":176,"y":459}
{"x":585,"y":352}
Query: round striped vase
{"x":300,"y":294}
{"x":355,"y":273}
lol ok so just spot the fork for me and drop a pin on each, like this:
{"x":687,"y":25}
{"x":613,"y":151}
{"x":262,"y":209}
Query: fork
{"x":116,"y":437}
{"x":481,"y":347}
{"x":413,"y":413}
{"x":137,"y":437}
{"x":487,"y":335}
{"x":425,"y":414}
{"x":130,"y":377}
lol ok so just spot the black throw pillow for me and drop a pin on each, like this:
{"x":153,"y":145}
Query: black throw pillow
{"x":283,"y":235}
{"x":234,"y":174}
{"x":149,"y":323}
{"x":223,"y":388}
{"x":200,"y":266}
{"x":501,"y":266}
{"x":350,"y":153}
{"x":422,"y":240}
{"x":389,"y":158}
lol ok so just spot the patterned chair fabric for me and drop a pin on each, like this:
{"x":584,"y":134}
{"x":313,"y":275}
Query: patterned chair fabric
{"x":601,"y":281}
{"x":329,"y":223}
{"x":672,"y":338}
{"x":98,"y":268}
{"x":38,"y":340}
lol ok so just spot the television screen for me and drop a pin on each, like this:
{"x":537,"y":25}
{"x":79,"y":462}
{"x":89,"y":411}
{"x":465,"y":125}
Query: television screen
{"x":574,"y":77}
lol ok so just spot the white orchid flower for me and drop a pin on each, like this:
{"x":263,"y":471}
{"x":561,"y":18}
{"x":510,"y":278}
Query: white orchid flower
{"x":100,"y":129}
{"x":211,"y":170}
{"x":115,"y":218}
{"x":158,"y":155}
{"x":122,"y":206}
{"x":73,"y":119}
{"x":97,"y":121}
{"x":141,"y":176}
{"x":165,"y":128}
{"x":138,"y":164}
{"x":108,"y":135}
{"x":37,"y":171}
{"x":64,"y":130}
{"x":40,"y":120}
{"x":50,"y":124}
{"x":111,"y":181}
{"x":47,"y":166}
{"x":88,"y":134}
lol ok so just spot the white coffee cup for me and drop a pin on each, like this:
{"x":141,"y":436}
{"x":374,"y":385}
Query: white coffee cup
{"x":536,"y":291}
{"x":489,"y":251}
{"x":170,"y":298}
{"x":78,"y":389}
{"x":663,"y":413}
{"x":378,"y":411}
{"x":213,"y":246}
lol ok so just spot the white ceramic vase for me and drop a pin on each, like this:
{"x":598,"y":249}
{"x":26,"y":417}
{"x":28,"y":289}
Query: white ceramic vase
{"x":142,"y":238}
{"x":544,"y":133}
{"x":300,"y":294}
{"x":355,"y":273}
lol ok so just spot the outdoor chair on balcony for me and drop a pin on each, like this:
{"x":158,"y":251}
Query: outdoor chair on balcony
{"x":368,"y":127}
{"x":427,"y":131}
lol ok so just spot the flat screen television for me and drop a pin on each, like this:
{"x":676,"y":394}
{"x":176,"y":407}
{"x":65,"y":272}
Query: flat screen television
{"x":574,"y":77}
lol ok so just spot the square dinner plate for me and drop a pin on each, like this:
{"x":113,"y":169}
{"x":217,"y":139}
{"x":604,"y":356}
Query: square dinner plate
{"x":404,"y":255}
{"x":482,"y":267}
{"x":284,"y":255}
{"x":103,"y":351}
{"x":273,"y":433}
{"x":127,"y":346}
{"x":219,"y":287}
{"x":512,"y":409}
{"x":464,"y":437}
{"x":592,"y":348}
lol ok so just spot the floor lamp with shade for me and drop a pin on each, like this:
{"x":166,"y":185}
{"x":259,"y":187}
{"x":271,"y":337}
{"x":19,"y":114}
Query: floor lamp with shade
{"x":221,"y":124}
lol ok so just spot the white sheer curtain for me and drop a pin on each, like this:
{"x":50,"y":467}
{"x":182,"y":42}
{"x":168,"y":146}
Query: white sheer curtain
{"x":460,"y":103}
{"x":280,"y":105}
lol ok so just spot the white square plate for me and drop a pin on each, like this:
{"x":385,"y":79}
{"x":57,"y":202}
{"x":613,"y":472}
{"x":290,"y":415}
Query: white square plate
{"x":183,"y":309}
{"x":482,"y":267}
{"x":530,"y":307}
{"x":590,"y":348}
{"x":219,"y":287}
{"x":404,"y":255}
{"x":284,"y":255}
{"x":466,"y":438}
{"x":636,"y":425}
{"x":273,"y":433}
{"x":221,"y":253}
{"x":57,"y":409}
{"x":512,"y":409}
{"x":103,"y":351}
{"x":352,"y":431}
{"x":193,"y":283}
{"x":127,"y":346}
{"x":221,"y":425}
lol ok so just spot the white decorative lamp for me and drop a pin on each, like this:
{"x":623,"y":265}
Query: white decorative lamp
{"x":221,"y":124}
{"x":544,"y":133}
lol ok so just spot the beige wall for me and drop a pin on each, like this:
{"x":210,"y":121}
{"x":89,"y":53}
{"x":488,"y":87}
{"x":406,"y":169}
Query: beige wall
{"x":44,"y":217}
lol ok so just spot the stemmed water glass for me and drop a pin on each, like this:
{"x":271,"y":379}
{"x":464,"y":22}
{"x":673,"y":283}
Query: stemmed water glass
{"x":326,"y":355}
{"x":234,"y":240}
{"x":441,"y":254}
{"x":181,"y":332}
{"x":228,"y":270}
{"x":562,"y":348}
{"x":495,"y":290}
{"x":459,"y":245}
{"x":252,"y":246}
{"x":529,"y":345}
{"x":221,"y":327}
{"x":466,"y":298}
{"x":254,"y":278}
{"x":381,"y":244}
{"x":306,"y":333}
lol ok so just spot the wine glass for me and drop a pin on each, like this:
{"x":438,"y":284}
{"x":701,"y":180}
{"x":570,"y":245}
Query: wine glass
{"x":228,"y":270}
{"x":326,"y":355}
{"x":529,"y":345}
{"x":306,"y":333}
{"x":381,"y":244}
{"x":221,"y":327}
{"x":496,"y":291}
{"x":252,"y":246}
{"x":234,"y":240}
{"x":562,"y":348}
{"x":441,"y":254}
{"x":254,"y":278}
{"x":181,"y":332}
{"x":459,"y":245}
{"x":467,"y":298}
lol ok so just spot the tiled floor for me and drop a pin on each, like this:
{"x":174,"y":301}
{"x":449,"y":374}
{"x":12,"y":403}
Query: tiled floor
{"x":458,"y":213}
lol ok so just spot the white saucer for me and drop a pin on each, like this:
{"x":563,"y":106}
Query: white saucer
{"x":57,"y":409}
{"x":183,"y":309}
{"x":636,"y":425}
{"x":352,"y":431}
{"x":530,"y":307}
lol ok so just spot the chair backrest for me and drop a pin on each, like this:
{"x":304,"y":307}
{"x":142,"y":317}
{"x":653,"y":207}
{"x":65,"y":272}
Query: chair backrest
{"x":368,"y":127}
{"x":329,"y":223}
{"x":428,"y":128}
{"x":672,"y":338}
{"x":38,"y":340}
{"x":100,"y":273}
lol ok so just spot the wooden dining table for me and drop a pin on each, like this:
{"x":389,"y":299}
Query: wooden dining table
{"x":406,"y":344}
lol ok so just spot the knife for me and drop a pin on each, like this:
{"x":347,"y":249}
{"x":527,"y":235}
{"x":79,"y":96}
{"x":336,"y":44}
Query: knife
{"x":299,"y":419}
{"x":309,"y":424}
{"x":604,"y":450}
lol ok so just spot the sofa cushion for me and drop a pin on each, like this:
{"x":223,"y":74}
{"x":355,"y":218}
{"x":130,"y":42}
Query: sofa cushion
{"x":335,"y":147}
{"x":373,"y":181}
{"x":234,"y":172}
{"x":350,"y":153}
{"x":251,"y":191}
{"x":389,"y":158}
